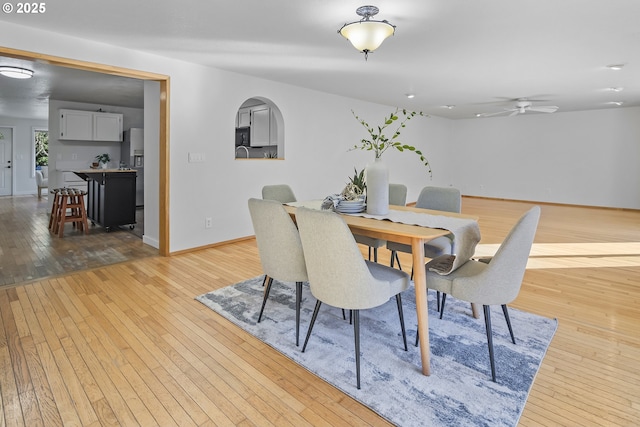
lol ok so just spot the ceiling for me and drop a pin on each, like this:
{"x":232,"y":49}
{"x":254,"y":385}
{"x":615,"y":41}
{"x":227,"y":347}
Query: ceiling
{"x":478,"y":55}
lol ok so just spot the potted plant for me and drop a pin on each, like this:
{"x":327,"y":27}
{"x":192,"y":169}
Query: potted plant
{"x":103,"y":159}
{"x":377,"y":173}
{"x":356,"y":187}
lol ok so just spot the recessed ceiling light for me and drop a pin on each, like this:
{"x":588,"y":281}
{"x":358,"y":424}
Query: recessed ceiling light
{"x":16,"y":72}
{"x":450,"y":107}
{"x":618,"y":103}
{"x":615,"y":66}
{"x":410,"y":95}
{"x":616,"y":89}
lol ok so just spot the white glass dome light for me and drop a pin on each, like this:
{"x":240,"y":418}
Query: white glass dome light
{"x":367,"y":35}
{"x":16,"y":72}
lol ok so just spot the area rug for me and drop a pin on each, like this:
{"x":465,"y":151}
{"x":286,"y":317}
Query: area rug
{"x":459,"y":391}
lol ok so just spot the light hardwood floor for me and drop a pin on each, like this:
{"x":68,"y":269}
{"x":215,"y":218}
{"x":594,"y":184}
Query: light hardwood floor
{"x":126,"y":344}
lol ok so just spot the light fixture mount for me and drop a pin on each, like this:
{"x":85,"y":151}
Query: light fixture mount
{"x":16,"y":72}
{"x":367,"y":34}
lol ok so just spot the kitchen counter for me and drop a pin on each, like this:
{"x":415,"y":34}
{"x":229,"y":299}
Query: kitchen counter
{"x":100,"y":170}
{"x":111,"y":196}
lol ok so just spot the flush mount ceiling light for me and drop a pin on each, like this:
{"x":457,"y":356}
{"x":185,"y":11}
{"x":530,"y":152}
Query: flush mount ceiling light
{"x":16,"y":72}
{"x":615,"y":66}
{"x":410,"y":95}
{"x":616,"y":89}
{"x":367,"y":35}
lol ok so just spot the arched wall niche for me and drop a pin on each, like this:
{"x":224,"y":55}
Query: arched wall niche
{"x":259,"y":130}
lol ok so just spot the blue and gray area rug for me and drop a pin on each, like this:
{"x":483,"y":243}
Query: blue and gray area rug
{"x":459,"y":391}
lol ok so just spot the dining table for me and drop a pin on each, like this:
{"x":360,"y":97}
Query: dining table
{"x":409,"y":234}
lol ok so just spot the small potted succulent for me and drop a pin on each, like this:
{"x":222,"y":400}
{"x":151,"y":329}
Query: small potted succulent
{"x":356,"y":187}
{"x":103,"y":159}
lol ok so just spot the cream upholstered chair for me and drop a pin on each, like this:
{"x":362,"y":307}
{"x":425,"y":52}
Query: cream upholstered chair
{"x":446,"y":199}
{"x":280,"y":249}
{"x":397,"y":197}
{"x":281,"y":193}
{"x":42,"y":179}
{"x":496,"y":282}
{"x":340,"y":277}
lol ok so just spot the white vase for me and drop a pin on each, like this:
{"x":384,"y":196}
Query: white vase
{"x":377,"y":188}
{"x":104,"y":165}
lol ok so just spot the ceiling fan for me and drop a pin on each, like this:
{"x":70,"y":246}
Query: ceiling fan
{"x":522,"y":106}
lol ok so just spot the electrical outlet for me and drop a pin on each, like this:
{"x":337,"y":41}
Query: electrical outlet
{"x":74,"y":156}
{"x":207,"y":222}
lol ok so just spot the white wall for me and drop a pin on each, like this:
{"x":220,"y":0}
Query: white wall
{"x":24,"y":181}
{"x":204,"y":102}
{"x":585,"y":158}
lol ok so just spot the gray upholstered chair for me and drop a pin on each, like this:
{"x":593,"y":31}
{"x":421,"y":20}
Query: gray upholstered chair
{"x":496,"y":282}
{"x":339,"y":276}
{"x":280,"y":249}
{"x":281,"y":193}
{"x":397,"y":197}
{"x":446,"y":199}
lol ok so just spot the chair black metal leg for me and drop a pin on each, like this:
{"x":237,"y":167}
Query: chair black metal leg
{"x":487,"y":321}
{"x":369,"y":253}
{"x":506,"y":316}
{"x":438,"y":301}
{"x":313,"y":320}
{"x":375,"y":255}
{"x":264,"y":281}
{"x":266,"y":295}
{"x":356,"y":335}
{"x":298,"y":301}
{"x":344,"y":317}
{"x":401,"y":314}
{"x":394,"y":257}
{"x":444,"y":298}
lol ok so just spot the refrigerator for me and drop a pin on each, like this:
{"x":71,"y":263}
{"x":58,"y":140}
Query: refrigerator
{"x":132,"y":155}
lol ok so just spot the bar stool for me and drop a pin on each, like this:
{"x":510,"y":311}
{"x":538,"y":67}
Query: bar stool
{"x":55,"y":208}
{"x":69,"y":207}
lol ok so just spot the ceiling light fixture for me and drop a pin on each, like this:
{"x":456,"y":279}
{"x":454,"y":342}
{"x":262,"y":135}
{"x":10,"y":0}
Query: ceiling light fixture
{"x":449,"y":107}
{"x":618,"y":103}
{"x":16,"y":72}
{"x":616,"y":89}
{"x":410,"y":96}
{"x":367,"y":35}
{"x":615,"y":66}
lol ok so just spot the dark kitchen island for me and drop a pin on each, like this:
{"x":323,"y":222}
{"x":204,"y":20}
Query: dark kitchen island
{"x":111,"y":196}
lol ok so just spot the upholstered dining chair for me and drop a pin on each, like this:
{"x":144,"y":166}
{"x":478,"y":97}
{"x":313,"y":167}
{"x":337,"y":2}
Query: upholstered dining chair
{"x":340,"y":277}
{"x":397,"y":197}
{"x":280,"y":192}
{"x":280,"y":249}
{"x":446,"y":199}
{"x":496,"y":282}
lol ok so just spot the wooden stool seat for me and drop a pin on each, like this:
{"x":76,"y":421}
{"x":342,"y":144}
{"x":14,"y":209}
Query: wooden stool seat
{"x":68,"y":206}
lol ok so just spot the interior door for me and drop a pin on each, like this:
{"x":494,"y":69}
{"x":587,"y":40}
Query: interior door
{"x":5,"y":161}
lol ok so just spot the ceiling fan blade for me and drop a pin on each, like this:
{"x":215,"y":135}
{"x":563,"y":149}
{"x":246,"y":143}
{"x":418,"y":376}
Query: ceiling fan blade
{"x":494,"y":114}
{"x":515,"y":113}
{"x":545,"y":109}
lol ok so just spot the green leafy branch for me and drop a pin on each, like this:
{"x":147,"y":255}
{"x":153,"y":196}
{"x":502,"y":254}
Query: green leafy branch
{"x":379,"y":142}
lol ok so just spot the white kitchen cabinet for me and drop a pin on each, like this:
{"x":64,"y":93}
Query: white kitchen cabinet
{"x":244,"y":117}
{"x":107,"y":127}
{"x":90,"y":126}
{"x":76,"y":125}
{"x":260,"y":127}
